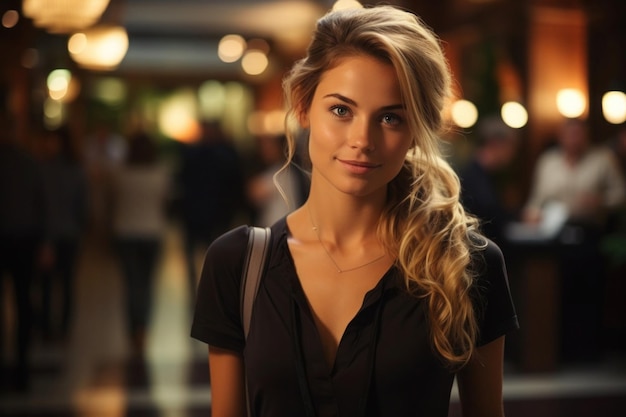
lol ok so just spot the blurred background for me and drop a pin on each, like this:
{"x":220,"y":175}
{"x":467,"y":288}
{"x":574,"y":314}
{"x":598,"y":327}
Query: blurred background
{"x":134,"y":132}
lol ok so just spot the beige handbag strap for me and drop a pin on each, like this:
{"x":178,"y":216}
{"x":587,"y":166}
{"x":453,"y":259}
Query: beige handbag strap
{"x":258,"y":248}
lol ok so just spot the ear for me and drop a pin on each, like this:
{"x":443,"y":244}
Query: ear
{"x":303,"y":118}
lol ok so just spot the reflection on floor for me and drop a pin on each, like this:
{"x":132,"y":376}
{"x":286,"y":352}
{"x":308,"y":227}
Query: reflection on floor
{"x":94,"y":374}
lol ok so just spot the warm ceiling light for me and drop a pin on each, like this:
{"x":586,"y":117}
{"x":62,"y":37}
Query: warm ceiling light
{"x":64,"y":16}
{"x":102,"y":48}
{"x":347,"y":4}
{"x":614,"y":107}
{"x":177,"y":116}
{"x":570,"y":102}
{"x":464,"y":113}
{"x":254,"y":62}
{"x":514,"y":114}
{"x":77,"y":43}
{"x":231,"y":48}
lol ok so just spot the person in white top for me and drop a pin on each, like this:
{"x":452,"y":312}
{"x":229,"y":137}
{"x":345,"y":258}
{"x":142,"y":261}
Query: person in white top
{"x":582,"y":176}
{"x":139,"y":195}
{"x":585,"y":179}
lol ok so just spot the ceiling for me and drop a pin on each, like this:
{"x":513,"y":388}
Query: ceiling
{"x":178,"y":38}
{"x":182,"y":35}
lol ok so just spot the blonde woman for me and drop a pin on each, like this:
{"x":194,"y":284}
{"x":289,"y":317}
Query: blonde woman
{"x":379,"y":290}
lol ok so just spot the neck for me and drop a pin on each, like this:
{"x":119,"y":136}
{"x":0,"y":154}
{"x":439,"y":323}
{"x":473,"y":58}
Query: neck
{"x":360,"y":242}
{"x":341,"y":222}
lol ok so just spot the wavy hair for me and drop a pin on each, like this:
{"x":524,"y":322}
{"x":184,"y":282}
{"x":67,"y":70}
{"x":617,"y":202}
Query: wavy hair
{"x":423,"y":225}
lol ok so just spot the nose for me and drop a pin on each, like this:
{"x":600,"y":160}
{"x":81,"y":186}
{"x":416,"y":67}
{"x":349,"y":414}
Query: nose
{"x":362,"y":136}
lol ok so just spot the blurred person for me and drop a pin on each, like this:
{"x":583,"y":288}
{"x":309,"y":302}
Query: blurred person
{"x":104,"y":151}
{"x":378,"y":290}
{"x":481,"y":195}
{"x":583,"y":176}
{"x":140,"y":192}
{"x":211,"y":183}
{"x":65,"y":183}
{"x":585,"y":179}
{"x":274,"y":192}
{"x":23,"y":214}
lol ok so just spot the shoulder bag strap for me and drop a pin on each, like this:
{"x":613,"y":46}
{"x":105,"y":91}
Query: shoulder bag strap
{"x":258,"y":247}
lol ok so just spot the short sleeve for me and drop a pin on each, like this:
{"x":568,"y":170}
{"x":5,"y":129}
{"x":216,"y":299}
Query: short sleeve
{"x":217,"y":319}
{"x":496,"y":312}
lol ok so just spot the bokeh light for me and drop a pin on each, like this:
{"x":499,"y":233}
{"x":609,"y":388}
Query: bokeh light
{"x":77,"y":43}
{"x":10,"y":19}
{"x":231,"y":48}
{"x":571,"y":102}
{"x":177,"y":116}
{"x":211,"y":98}
{"x":514,"y":114}
{"x":62,"y":86}
{"x":346,"y":4}
{"x":102,"y":48}
{"x":254,"y":62}
{"x":464,"y":113}
{"x":614,"y":107}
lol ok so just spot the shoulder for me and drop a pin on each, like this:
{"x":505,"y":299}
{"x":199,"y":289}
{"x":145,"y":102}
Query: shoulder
{"x":492,"y":295}
{"x":229,"y":245}
{"x":492,"y":253}
{"x":488,"y":257}
{"x":217,"y":319}
{"x":223,"y":262}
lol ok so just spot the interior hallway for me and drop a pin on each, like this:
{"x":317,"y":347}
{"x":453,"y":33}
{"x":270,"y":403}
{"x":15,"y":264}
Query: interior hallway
{"x":95,"y":375}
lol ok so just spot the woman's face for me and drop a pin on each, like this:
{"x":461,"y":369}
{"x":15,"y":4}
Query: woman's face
{"x":359,"y":135}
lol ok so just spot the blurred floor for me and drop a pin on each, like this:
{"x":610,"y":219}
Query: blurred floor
{"x":94,"y":374}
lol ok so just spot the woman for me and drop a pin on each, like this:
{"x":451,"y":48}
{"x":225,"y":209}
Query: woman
{"x":378,"y":290}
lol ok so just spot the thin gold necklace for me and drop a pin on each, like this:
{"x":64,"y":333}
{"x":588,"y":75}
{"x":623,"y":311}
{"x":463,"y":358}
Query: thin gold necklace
{"x":339,"y":270}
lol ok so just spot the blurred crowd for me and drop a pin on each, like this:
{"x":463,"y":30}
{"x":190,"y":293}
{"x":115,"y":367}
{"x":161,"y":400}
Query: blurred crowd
{"x":121,"y":193}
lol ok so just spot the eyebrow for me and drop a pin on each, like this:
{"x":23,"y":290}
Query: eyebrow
{"x":352,"y":102}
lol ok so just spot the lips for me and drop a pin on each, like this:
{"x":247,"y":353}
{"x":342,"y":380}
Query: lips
{"x":358,"y":167}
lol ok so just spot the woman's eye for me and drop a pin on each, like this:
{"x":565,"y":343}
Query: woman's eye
{"x":341,"y":111}
{"x":391,"y":119}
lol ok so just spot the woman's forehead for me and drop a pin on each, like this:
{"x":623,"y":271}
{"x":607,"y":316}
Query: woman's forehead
{"x":361,"y":76}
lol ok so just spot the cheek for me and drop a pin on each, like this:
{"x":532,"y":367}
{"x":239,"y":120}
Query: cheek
{"x":317,"y":146}
{"x":397,"y":155}
{"x":399,"y":150}
{"x":324,"y":136}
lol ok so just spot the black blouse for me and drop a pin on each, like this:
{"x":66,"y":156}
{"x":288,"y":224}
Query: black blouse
{"x":384,"y":366}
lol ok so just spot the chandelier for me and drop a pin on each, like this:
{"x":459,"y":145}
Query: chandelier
{"x":64,"y":16}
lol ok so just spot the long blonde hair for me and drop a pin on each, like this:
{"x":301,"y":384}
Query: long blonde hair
{"x":423,"y":225}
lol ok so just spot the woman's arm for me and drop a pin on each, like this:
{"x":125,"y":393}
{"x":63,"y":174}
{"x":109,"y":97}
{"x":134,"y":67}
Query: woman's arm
{"x":228,"y":398}
{"x":480,"y":382}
